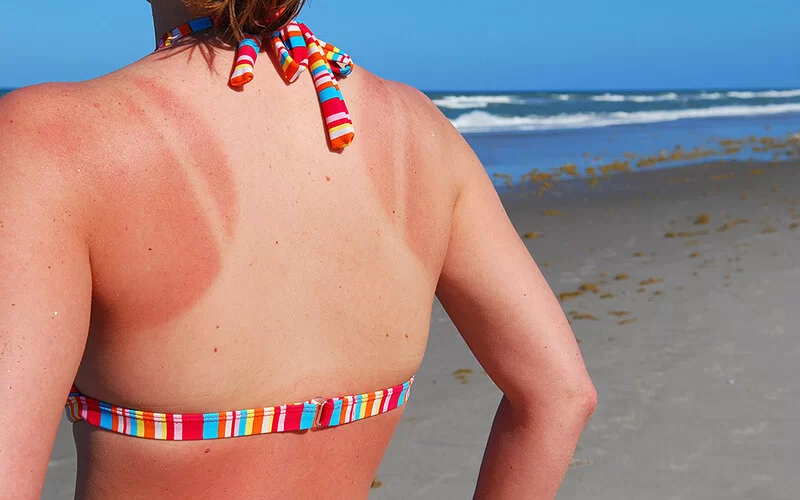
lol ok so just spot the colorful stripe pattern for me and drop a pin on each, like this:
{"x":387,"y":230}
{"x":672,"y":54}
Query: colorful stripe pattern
{"x":246,"y":56}
{"x":195,"y":26}
{"x":297,"y":49}
{"x":319,"y":412}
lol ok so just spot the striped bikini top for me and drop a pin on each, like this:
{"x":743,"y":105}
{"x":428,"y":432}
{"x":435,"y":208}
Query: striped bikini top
{"x":297,"y":50}
{"x":315,"y":413}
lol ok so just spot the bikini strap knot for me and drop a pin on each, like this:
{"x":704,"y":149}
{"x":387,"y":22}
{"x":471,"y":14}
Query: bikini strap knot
{"x":297,"y":50}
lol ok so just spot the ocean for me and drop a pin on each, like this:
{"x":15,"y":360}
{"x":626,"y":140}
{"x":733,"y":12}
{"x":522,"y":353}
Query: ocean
{"x":516,"y":133}
{"x":519,"y":134}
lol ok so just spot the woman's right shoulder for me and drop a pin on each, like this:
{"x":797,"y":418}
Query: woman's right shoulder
{"x":413,"y":101}
{"x":402,"y":107}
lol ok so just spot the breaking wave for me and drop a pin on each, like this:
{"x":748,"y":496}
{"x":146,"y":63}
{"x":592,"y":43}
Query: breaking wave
{"x":481,"y":121}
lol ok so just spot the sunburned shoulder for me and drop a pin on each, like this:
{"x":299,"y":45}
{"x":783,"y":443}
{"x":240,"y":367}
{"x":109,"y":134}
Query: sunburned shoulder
{"x":62,"y":125}
{"x":59,"y":143}
{"x":37,"y":104}
{"x":413,"y":98}
{"x":427,"y":132}
{"x":40,"y":118}
{"x":403,"y":106}
{"x":41,"y":138}
{"x":33,"y":121}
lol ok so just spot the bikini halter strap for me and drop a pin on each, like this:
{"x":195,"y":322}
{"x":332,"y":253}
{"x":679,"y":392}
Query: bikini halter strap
{"x":297,"y":50}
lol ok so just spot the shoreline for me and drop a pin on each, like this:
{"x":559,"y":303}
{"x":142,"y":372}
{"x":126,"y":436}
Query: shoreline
{"x":770,"y":149}
{"x":647,"y":180}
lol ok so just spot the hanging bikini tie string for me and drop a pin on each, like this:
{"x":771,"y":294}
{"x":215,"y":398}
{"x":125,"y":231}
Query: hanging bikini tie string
{"x":297,"y":50}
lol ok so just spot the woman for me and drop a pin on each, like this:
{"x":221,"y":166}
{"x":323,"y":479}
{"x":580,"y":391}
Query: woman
{"x":173,"y":246}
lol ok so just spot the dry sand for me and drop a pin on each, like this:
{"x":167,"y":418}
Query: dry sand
{"x":698,"y":386}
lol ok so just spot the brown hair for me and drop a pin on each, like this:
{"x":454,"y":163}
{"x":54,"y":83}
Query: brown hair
{"x":254,"y":17}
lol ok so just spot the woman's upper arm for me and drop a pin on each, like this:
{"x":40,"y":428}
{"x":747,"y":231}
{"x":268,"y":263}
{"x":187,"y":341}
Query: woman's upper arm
{"x":500,"y":302}
{"x":45,"y":296}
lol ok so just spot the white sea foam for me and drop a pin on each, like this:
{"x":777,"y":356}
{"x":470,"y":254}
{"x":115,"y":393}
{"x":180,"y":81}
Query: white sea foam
{"x":481,"y":121}
{"x":609,"y":98}
{"x":766,"y":94}
{"x":649,"y":98}
{"x":745,"y":94}
{"x":636,"y":98}
{"x":483,"y":101}
{"x":711,"y":96}
{"x":474,"y":101}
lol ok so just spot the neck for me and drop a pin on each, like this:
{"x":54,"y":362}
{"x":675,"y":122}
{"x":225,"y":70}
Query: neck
{"x":169,"y":14}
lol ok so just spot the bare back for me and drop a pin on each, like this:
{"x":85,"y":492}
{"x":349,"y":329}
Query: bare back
{"x":172,"y":245}
{"x":237,"y":262}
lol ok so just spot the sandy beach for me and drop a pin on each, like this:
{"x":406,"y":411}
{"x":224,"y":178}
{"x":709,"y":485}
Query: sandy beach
{"x":681,"y":285}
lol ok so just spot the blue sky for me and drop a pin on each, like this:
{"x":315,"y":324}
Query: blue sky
{"x":460,"y":44}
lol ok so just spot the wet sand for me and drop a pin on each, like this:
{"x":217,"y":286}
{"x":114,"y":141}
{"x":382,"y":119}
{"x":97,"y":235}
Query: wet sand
{"x":682,"y":289}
